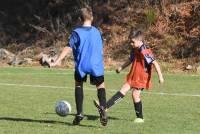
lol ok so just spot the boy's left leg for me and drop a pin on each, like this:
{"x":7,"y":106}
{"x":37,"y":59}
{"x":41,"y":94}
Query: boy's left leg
{"x":136,"y":93}
{"x":101,"y":93}
{"x":79,"y":98}
{"x":79,"y":103}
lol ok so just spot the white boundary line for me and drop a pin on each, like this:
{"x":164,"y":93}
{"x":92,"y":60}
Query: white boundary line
{"x":70,"y":69}
{"x":71,"y":73}
{"x":93,"y":89}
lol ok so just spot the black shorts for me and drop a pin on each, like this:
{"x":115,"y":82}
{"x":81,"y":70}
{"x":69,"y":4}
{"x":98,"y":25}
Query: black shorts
{"x":141,"y":89}
{"x":94,"y":80}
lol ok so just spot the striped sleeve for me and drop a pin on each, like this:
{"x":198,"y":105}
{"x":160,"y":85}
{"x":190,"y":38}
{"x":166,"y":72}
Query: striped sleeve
{"x":148,"y":56}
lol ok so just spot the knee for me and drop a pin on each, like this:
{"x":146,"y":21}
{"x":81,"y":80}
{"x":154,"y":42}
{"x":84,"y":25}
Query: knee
{"x":136,"y":97}
{"x":78,"y":84}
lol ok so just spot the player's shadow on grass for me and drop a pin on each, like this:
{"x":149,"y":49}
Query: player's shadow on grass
{"x":94,"y":117}
{"x":91,"y":117}
{"x":41,"y":121}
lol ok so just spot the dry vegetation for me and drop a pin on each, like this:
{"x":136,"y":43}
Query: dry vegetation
{"x":172,"y":28}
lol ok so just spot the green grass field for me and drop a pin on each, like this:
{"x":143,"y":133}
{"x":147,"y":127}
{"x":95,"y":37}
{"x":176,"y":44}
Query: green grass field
{"x":28,"y":97}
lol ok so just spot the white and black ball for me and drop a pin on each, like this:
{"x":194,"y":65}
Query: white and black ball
{"x":63,"y":108}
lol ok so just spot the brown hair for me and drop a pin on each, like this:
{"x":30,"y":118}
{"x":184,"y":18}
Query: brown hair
{"x":136,"y":34}
{"x":86,"y":13}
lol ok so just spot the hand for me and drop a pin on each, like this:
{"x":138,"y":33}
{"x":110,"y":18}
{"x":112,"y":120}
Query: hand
{"x":118,"y":70}
{"x":161,"y":80}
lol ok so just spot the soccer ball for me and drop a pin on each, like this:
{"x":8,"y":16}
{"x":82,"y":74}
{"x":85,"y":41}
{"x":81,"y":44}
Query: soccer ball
{"x":63,"y":108}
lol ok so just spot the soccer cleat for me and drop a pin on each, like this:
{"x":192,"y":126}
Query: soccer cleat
{"x":78,"y":118}
{"x":139,"y":120}
{"x":102,"y":113}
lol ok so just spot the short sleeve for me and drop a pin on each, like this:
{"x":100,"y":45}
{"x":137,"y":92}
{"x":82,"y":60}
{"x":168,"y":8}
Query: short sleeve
{"x":131,"y":57}
{"x":73,"y":39}
{"x":148,"y":56}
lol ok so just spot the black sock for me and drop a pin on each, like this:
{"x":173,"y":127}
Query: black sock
{"x":115,"y":98}
{"x":101,"y":93}
{"x":138,"y":109}
{"x":79,"y":99}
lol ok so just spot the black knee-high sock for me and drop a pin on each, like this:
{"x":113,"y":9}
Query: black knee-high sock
{"x":101,"y":93}
{"x":79,"y":99}
{"x":138,"y":109}
{"x":115,"y":98}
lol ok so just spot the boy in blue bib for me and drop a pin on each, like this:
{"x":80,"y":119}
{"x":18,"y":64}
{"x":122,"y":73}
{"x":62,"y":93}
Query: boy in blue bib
{"x":87,"y":46}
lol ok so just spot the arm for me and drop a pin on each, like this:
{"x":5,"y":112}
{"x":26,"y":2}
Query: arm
{"x":126,"y":64}
{"x":158,"y":70}
{"x":65,"y":51}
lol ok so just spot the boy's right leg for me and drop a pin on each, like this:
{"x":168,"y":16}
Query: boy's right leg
{"x":118,"y":96}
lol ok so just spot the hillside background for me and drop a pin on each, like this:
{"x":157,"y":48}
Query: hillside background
{"x":172,"y":28}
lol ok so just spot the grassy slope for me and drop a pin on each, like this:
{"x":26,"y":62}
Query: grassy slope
{"x":31,"y":109}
